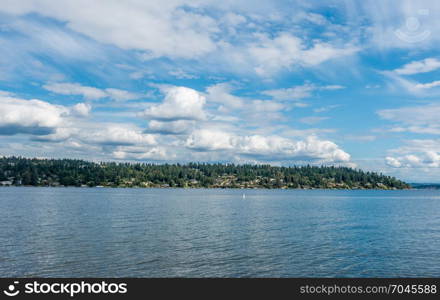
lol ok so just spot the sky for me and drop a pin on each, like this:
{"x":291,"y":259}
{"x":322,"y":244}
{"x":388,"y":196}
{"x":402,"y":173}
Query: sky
{"x":344,"y":83}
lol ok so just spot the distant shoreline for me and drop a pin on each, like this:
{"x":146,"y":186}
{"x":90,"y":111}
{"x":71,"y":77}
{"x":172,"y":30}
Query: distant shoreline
{"x":210,"y":188}
{"x":18,"y":171}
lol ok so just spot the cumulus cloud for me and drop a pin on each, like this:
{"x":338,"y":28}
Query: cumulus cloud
{"x":179,"y":121}
{"x":138,"y":153}
{"x":29,"y":116}
{"x":429,"y":159}
{"x":208,"y":140}
{"x":180,"y":103}
{"x":267,"y":147}
{"x":50,"y":124}
{"x":173,"y":127}
{"x":116,"y":134}
{"x":59,"y":134}
{"x":221,"y":93}
{"x":417,"y":153}
{"x":81,"y":109}
{"x":90,"y":93}
{"x":102,"y":134}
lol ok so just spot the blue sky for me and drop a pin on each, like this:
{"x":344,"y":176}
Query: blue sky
{"x":352,"y":83}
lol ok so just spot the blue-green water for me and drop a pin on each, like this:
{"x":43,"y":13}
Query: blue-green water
{"x":96,"y":232}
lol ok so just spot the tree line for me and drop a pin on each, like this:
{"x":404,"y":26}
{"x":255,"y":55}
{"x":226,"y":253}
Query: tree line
{"x":19,"y":171}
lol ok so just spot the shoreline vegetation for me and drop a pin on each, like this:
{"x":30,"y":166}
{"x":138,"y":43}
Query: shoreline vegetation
{"x":19,"y":171}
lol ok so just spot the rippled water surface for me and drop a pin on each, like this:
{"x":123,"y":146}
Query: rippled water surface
{"x":97,"y":232}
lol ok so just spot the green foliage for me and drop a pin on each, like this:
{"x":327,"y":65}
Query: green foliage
{"x":71,"y":172}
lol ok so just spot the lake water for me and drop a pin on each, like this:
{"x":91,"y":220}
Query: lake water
{"x":98,"y":232}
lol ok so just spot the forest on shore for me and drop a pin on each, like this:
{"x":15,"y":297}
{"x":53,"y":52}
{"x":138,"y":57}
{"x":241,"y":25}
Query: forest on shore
{"x":19,"y":171}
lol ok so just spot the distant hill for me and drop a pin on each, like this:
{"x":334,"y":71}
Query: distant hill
{"x":433,"y":186}
{"x":69,"y":172}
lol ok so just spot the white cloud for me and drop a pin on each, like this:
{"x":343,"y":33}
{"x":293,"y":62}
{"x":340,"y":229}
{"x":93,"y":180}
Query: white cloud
{"x":393,"y":162}
{"x":312,"y":120}
{"x":180,"y":74}
{"x":208,"y":140}
{"x":234,"y":108}
{"x":421,"y":66}
{"x":424,"y":129}
{"x":285,"y":50}
{"x":325,"y":108}
{"x":179,"y":123}
{"x":265,"y":106}
{"x":59,"y":134}
{"x":332,"y":87}
{"x":360,"y":138}
{"x":180,"y":103}
{"x":321,"y":52}
{"x":417,"y":153}
{"x":164,"y":29}
{"x":422,"y":115}
{"x":116,"y":134}
{"x":397,"y":83}
{"x":138,"y":153}
{"x":403,"y":25}
{"x":29,"y":116}
{"x":299,"y":92}
{"x":90,"y":93}
{"x":173,"y":127}
{"x":229,"y":36}
{"x":313,"y":18}
{"x":120,"y":95}
{"x":81,"y":109}
{"x":372,"y":86}
{"x":428,"y":159}
{"x":427,"y":85}
{"x":267,"y":147}
{"x":221,"y":93}
{"x":87,"y":92}
{"x":293,"y":93}
{"x":47,"y":123}
{"x":6,"y":94}
{"x":233,"y":19}
{"x":290,"y":132}
{"x":101,"y":134}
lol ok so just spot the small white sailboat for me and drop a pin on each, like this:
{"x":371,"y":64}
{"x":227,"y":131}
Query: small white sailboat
{"x":244,"y":196}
